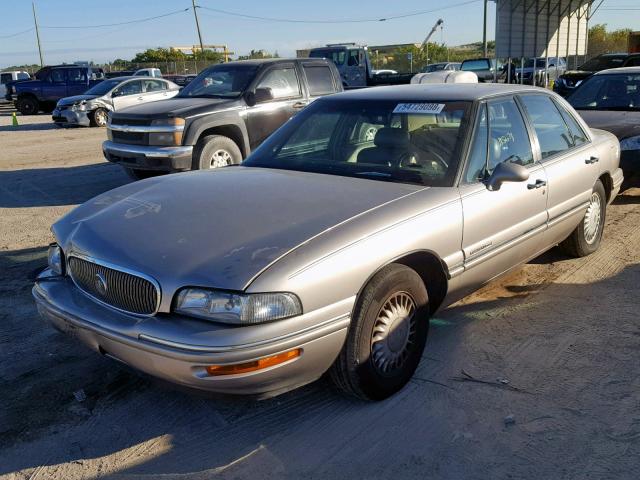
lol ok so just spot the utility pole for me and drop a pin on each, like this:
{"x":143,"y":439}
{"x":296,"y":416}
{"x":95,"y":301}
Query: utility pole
{"x":35,"y":20}
{"x":195,"y":14}
{"x":484,"y":31}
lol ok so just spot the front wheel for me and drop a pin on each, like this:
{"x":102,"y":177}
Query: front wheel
{"x":214,"y":151}
{"x":387,"y":335}
{"x":98,"y":118}
{"x":586,"y":238}
{"x":28,"y":106}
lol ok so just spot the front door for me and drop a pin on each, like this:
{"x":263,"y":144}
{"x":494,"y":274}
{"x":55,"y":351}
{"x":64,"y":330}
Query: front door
{"x":128,"y":94}
{"x":54,"y":87}
{"x":504,"y":227}
{"x":77,"y":82}
{"x":264,"y":118}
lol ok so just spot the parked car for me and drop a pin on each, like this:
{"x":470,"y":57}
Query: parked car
{"x":148,"y":72}
{"x":573,"y":78}
{"x":329,"y":249}
{"x":610,"y":100}
{"x":50,"y":85}
{"x":92,"y":108}
{"x":544,"y":74}
{"x":487,"y":69}
{"x":436,"y":67}
{"x":219,"y":118}
{"x":9,"y":77}
{"x":182,"y":80}
{"x":120,"y":73}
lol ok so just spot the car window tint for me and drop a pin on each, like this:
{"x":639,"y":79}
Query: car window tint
{"x":56,"y":76}
{"x":319,"y":78}
{"x":577,"y":133}
{"x":475,"y":65}
{"x":131,"y":88}
{"x":552,"y":132}
{"x":154,"y":86}
{"x":478,"y":153}
{"x":353,"y":58}
{"x":283,"y":82}
{"x":5,"y":78}
{"x":508,"y":137}
{"x":77,"y":75}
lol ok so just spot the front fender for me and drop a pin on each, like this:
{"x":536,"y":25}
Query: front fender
{"x":233,"y":118}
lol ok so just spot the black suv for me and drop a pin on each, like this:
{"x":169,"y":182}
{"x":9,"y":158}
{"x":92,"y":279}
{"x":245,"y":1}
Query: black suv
{"x":219,"y":117}
{"x":571,"y":79}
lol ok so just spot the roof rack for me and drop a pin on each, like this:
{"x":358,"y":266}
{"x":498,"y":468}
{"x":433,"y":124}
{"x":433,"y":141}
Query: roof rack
{"x":341,"y":44}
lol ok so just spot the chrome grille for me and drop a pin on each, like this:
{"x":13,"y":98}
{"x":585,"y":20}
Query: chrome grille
{"x":122,"y":290}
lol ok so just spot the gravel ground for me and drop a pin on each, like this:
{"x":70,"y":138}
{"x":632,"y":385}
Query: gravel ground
{"x":534,"y":377}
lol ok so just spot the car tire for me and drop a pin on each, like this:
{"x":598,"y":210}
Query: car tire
{"x":98,"y":118}
{"x":139,"y":174}
{"x":214,"y":151}
{"x":586,"y":237}
{"x":28,"y":106}
{"x":387,"y":335}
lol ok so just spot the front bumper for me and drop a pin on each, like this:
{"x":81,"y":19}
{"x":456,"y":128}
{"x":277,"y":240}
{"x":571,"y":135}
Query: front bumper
{"x":156,"y":346}
{"x":165,"y":159}
{"x":70,"y":117}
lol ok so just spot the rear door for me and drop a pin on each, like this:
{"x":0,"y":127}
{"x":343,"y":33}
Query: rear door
{"x":127,"y":94}
{"x":264,"y":118}
{"x":154,"y":90}
{"x":502,"y":227}
{"x":320,"y":79}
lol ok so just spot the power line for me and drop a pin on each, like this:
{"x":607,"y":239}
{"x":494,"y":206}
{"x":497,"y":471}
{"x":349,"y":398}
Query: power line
{"x":18,"y":33}
{"x":363,"y":20}
{"x":119,"y":23}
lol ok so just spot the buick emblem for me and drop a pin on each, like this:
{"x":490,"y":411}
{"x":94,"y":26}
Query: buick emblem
{"x":100,"y":283}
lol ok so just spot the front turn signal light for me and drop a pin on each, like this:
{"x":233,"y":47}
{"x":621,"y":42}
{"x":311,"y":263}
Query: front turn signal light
{"x":260,"y":364}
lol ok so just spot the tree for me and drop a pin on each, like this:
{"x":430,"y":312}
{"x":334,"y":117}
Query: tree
{"x":602,"y":41}
{"x":161,"y":54}
{"x":257,"y":54}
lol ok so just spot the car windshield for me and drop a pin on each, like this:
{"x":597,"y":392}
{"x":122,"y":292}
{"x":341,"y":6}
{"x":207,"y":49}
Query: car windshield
{"x":417,"y":142}
{"x":221,"y":81}
{"x":103,"y":87}
{"x":540,"y":63}
{"x":601,"y":63}
{"x":337,"y":56}
{"x":608,"y":92}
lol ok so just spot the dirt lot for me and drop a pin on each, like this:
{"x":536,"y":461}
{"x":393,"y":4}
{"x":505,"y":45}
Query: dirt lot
{"x":554,"y":345}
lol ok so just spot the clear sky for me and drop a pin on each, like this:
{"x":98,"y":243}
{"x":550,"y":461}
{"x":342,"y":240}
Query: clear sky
{"x":462,"y":24}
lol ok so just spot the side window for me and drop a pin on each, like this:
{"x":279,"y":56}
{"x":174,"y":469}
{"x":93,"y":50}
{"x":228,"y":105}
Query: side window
{"x":23,"y":76}
{"x":577,"y":133}
{"x":508,"y":137}
{"x":353,"y":61}
{"x":130,"y":88}
{"x":5,"y":78}
{"x":553,"y":135}
{"x":77,"y":75}
{"x":154,"y":86}
{"x":283,"y":82}
{"x":319,"y":78}
{"x":478,"y":152}
{"x":56,"y":76}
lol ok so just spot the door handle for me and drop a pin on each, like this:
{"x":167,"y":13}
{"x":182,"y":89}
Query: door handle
{"x":299,"y":105}
{"x":538,"y":184}
{"x":591,"y":160}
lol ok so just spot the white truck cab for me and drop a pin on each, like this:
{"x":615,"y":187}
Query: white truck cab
{"x":148,"y":72}
{"x":10,"y":76}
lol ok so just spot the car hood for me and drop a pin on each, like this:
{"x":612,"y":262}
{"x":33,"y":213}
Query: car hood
{"x":622,"y":124}
{"x":177,"y":107}
{"x":76,"y":99}
{"x":217,"y":228}
{"x":577,"y":74}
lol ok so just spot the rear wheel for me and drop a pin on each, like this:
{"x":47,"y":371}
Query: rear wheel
{"x":27,"y":105}
{"x":387,"y":335}
{"x":98,"y":118}
{"x":214,"y":151}
{"x":586,"y":238}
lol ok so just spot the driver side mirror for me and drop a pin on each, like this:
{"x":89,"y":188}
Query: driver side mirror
{"x":260,"y":95}
{"x":116,"y":93}
{"x":506,"y":172}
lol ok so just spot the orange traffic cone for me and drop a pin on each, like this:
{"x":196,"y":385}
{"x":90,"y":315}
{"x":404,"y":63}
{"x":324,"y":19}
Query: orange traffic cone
{"x":14,"y":119}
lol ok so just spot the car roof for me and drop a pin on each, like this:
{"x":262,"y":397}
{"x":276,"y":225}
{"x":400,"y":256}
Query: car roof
{"x":612,"y":71}
{"x":437,"y":92}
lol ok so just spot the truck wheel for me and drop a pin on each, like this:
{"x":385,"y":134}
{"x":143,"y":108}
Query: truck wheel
{"x":27,"y":106}
{"x":138,"y":174}
{"x":586,"y":238}
{"x":214,"y":151}
{"x":98,"y":118}
{"x":386,"y":337}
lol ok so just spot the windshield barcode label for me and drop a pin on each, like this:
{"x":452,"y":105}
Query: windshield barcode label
{"x":424,"y":108}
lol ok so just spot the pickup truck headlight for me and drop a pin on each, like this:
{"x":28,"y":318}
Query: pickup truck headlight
{"x":237,"y":308}
{"x":631,"y":143}
{"x":55,"y":259}
{"x":169,"y":132}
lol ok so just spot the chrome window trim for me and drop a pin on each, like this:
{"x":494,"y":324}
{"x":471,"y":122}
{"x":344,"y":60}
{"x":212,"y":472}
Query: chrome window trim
{"x":118,"y":268}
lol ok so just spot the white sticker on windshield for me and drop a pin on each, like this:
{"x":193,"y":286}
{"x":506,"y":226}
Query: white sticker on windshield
{"x":420,"y":108}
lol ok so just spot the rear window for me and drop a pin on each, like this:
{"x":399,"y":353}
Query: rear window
{"x":474,"y":65}
{"x":320,"y":79}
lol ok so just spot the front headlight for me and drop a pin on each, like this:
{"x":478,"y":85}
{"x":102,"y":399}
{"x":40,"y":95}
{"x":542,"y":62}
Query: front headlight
{"x":237,"y":308}
{"x":631,"y":143}
{"x":79,"y":107}
{"x":55,"y":259}
{"x":169,"y":132}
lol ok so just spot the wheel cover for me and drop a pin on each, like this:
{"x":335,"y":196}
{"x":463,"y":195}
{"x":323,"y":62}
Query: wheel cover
{"x":592,"y":218}
{"x":101,"y":117}
{"x":220,"y":158}
{"x":394,"y":333}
